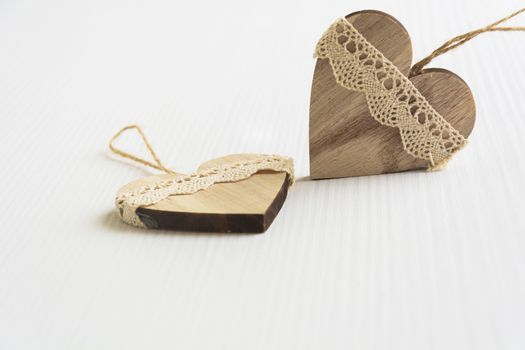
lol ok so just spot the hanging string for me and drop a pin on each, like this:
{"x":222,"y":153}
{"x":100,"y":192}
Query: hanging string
{"x":462,"y":39}
{"x":158,"y":165}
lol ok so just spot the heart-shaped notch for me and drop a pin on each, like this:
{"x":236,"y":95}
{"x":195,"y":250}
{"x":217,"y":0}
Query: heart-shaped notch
{"x":345,"y":140}
{"x":247,"y":206}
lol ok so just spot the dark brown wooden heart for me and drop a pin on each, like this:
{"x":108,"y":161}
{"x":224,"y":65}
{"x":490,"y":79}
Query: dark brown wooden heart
{"x":345,"y":140}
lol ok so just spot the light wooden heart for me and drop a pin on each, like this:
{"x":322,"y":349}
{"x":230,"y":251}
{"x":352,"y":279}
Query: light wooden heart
{"x":345,"y":140}
{"x":248,"y":206}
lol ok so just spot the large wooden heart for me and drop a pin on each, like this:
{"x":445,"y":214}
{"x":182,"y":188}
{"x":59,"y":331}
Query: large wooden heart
{"x":248,"y":206}
{"x":345,"y":140}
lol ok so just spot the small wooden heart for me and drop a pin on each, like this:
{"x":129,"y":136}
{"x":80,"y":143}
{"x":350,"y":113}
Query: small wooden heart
{"x":249,"y":205}
{"x":345,"y":140}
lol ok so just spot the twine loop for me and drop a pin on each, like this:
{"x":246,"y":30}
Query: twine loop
{"x":157,"y":165}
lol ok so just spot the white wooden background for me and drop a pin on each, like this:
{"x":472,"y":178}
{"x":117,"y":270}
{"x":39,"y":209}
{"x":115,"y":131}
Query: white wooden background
{"x":403,"y":261}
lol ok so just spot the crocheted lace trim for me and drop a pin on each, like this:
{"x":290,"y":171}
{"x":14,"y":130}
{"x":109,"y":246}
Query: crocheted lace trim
{"x":128,"y":202}
{"x":391,"y":97}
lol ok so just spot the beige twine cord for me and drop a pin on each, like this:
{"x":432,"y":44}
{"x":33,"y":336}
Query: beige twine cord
{"x":158,"y":165}
{"x":463,"y":38}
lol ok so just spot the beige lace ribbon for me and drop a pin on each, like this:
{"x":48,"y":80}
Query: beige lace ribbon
{"x":392,"y":99}
{"x":176,"y":184}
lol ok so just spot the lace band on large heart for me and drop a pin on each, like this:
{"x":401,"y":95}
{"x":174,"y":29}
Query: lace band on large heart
{"x":128,"y":202}
{"x":391,"y":97}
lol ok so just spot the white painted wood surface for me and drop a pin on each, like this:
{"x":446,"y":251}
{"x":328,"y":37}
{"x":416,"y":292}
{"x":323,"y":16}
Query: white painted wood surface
{"x":404,"y":261}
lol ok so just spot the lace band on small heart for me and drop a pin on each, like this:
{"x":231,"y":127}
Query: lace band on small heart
{"x":177,"y":184}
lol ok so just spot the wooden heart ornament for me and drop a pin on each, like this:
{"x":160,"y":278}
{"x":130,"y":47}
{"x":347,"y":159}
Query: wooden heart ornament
{"x":364,"y":126}
{"x":236,"y":193}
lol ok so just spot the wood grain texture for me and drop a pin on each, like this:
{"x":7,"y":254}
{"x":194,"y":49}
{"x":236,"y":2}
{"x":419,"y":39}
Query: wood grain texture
{"x":247,"y":206}
{"x":341,"y":128}
{"x":345,"y":140}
